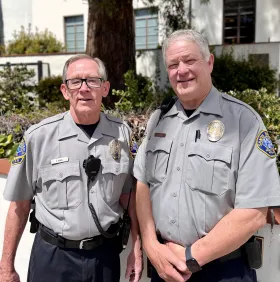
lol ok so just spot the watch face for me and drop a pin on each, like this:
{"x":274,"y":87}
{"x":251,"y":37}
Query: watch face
{"x":193,"y":265}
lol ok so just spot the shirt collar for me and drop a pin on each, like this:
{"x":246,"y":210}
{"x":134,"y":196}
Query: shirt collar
{"x":68,"y":128}
{"x":210,"y":105}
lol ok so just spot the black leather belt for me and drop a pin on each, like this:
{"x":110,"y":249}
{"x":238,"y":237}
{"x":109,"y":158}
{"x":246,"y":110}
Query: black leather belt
{"x":85,"y":244}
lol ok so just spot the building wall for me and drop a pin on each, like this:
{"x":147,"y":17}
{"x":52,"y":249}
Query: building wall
{"x":16,"y":13}
{"x":268,"y":21}
{"x":50,"y":14}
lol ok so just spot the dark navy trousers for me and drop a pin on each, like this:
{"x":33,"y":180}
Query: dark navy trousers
{"x":235,"y":270}
{"x":49,"y":263}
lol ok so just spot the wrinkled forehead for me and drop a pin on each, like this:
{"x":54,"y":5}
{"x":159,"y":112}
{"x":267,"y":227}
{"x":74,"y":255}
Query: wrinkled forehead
{"x":81,"y":66}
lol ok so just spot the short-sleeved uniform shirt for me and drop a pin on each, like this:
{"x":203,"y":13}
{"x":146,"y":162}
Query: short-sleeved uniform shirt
{"x":49,"y":165}
{"x":194,"y":181}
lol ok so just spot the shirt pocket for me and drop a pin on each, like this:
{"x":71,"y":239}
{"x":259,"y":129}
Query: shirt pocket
{"x":208,"y":167}
{"x":157,"y":158}
{"x":62,"y":185}
{"x":113,"y":179}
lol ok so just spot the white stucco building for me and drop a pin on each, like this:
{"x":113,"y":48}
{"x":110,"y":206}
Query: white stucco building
{"x":252,"y":25}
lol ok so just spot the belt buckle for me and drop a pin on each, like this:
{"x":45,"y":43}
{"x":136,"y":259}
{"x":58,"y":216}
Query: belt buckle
{"x":81,"y":245}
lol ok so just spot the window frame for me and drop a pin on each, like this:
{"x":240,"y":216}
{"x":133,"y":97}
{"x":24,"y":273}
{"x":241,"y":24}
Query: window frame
{"x":239,"y":14}
{"x":75,"y":33}
{"x":154,"y":15}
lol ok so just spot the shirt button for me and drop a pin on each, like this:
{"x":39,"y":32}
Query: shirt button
{"x":173,"y":221}
{"x":174,"y":194}
{"x":182,"y":144}
{"x":178,"y":168}
{"x":208,"y":155}
{"x":117,"y":170}
{"x":60,"y":174}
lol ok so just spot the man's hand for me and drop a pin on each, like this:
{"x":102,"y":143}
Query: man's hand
{"x":167,"y":264}
{"x":134,"y":266}
{"x":8,"y":276}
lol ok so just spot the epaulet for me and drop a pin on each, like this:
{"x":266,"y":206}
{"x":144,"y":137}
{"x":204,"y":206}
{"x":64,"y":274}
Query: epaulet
{"x":113,"y":118}
{"x":235,"y":100}
{"x":45,"y":122}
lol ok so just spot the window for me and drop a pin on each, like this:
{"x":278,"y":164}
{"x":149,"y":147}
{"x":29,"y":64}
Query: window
{"x":146,"y":28}
{"x":239,"y":21}
{"x":74,"y":34}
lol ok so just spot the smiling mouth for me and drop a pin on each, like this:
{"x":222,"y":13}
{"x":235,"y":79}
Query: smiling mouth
{"x":85,"y":100}
{"x":187,"y":80}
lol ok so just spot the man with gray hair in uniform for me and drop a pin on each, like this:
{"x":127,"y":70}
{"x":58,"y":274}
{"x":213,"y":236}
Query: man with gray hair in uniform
{"x":77,"y":165}
{"x":206,"y":175}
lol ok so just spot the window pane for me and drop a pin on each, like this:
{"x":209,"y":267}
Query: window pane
{"x":79,"y":28}
{"x":70,"y":29}
{"x":74,"y":33}
{"x":141,"y":40}
{"x":146,"y":28}
{"x":239,"y":21}
{"x":140,"y":23}
{"x":140,"y":31}
{"x":152,"y":31}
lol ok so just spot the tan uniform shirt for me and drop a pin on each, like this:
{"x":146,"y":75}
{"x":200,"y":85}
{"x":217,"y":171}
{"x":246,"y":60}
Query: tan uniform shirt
{"x":194,"y":182}
{"x":49,"y":165}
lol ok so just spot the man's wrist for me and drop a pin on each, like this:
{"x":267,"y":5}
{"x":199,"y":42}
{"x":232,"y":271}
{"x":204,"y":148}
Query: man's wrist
{"x":191,"y":262}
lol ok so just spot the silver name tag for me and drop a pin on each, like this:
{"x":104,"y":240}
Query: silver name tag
{"x":59,"y":160}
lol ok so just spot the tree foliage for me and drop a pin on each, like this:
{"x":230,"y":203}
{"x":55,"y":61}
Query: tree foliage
{"x":28,"y":42}
{"x":15,"y":89}
{"x":48,"y":91}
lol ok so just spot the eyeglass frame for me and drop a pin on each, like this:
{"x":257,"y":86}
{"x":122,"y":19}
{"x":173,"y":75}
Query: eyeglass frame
{"x":82,"y":80}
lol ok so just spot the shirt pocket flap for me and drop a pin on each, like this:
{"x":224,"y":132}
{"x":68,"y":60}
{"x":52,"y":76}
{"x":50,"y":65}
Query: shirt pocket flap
{"x":211,"y":151}
{"x":159,"y":144}
{"x":115,"y":168}
{"x":60,"y":171}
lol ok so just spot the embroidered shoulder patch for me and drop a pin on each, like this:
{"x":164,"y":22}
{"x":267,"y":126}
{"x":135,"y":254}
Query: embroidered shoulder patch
{"x":20,"y":153}
{"x":133,"y":148}
{"x":265,"y":145}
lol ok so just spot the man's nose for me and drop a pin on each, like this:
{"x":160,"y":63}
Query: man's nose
{"x":182,"y":68}
{"x":84,"y":86}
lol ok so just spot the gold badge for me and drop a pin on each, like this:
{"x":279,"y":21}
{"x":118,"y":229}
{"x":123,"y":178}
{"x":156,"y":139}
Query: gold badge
{"x":115,"y":149}
{"x":215,"y":130}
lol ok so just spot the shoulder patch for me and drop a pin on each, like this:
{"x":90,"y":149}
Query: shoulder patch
{"x":133,"y":148}
{"x":20,"y":153}
{"x":265,"y":145}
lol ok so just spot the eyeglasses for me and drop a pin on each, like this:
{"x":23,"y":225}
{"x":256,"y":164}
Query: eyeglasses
{"x":91,"y":82}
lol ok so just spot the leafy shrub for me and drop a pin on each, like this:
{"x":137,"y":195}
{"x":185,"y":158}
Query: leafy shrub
{"x":231,"y":74}
{"x":27,"y":42}
{"x":139,"y":93}
{"x":7,"y":146}
{"x":15,"y":89}
{"x":267,"y":105}
{"x":48,"y":91}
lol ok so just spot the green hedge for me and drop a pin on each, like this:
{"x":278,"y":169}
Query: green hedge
{"x":239,"y":75}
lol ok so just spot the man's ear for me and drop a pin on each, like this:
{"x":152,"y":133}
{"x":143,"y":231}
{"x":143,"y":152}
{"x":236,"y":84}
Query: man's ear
{"x":64,"y":91}
{"x":211,"y":62}
{"x":105,"y":88}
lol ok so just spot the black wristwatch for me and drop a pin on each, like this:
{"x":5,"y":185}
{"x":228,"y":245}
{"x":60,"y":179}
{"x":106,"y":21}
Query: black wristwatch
{"x":191,"y":262}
